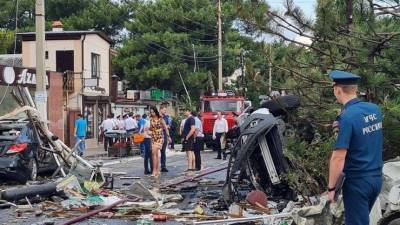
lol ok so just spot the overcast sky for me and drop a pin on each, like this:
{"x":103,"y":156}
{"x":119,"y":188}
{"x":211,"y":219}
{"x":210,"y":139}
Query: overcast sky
{"x":308,"y":6}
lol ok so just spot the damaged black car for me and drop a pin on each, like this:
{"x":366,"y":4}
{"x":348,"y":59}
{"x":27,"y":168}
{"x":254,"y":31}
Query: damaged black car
{"x":21,"y":159}
{"x":257,"y":159}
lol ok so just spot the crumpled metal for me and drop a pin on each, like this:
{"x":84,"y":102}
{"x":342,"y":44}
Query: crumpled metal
{"x":325,"y":213}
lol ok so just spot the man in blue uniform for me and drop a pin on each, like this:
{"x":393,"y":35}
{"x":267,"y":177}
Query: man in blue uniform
{"x":357,"y":152}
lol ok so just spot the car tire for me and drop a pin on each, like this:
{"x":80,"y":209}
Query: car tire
{"x":32,"y":169}
{"x":278,"y":106}
{"x":392,"y":218}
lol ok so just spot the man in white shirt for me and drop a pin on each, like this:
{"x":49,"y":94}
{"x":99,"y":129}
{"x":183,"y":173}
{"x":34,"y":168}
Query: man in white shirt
{"x":130,"y":124}
{"x":121,"y":123}
{"x":115,"y":121}
{"x":220,"y":129}
{"x":181,"y":129}
{"x":107,"y":125}
{"x":199,"y":141}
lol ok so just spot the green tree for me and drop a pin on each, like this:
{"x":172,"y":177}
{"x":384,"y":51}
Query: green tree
{"x":102,"y":15}
{"x":6,"y":41}
{"x":361,"y":37}
{"x":164,"y":36}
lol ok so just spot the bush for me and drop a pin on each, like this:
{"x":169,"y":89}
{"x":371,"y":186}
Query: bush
{"x":309,"y":162}
{"x":391,"y":128}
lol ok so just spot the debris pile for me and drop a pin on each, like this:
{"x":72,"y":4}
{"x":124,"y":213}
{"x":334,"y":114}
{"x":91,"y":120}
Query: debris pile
{"x":255,"y":189}
{"x":33,"y":145}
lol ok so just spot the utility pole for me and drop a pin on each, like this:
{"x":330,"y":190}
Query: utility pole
{"x":40,"y":94}
{"x":220,"y":88}
{"x":184,"y":86}
{"x":242,"y":71}
{"x":270,"y":70}
{"x":211,"y":82}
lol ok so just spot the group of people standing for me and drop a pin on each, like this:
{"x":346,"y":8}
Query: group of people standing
{"x":156,"y":133}
{"x":157,"y":130}
{"x":128,"y":122}
{"x":191,"y":130}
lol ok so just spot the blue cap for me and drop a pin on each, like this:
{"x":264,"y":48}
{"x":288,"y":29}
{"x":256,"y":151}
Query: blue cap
{"x":345,"y":78}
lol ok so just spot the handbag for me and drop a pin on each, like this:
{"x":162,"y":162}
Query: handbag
{"x":138,"y":138}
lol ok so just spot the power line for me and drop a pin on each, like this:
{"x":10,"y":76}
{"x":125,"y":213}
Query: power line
{"x":203,"y":40}
{"x":183,"y":55}
{"x":196,"y":22}
{"x":185,"y":28}
{"x":199,"y":23}
{"x":194,"y":31}
{"x":177,"y":56}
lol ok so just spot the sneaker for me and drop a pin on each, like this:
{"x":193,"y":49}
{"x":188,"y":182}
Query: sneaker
{"x":147,"y":172}
{"x":164,"y":170}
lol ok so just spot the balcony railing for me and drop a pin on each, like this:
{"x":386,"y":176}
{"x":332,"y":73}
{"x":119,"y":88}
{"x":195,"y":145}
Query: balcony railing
{"x":68,"y":81}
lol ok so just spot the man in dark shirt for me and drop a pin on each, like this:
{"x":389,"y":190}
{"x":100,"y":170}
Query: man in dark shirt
{"x":188,"y":132}
{"x":167,"y":120}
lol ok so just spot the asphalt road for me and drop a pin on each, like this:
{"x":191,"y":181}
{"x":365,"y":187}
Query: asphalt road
{"x":133,"y":167}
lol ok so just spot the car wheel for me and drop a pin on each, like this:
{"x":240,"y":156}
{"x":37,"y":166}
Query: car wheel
{"x":392,"y":218}
{"x":32,"y":169}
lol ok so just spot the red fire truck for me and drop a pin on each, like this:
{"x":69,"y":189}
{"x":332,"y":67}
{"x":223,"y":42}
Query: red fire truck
{"x":226,"y":103}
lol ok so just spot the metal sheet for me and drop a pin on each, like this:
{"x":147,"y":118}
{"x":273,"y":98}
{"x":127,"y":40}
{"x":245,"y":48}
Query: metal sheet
{"x":269,"y":163}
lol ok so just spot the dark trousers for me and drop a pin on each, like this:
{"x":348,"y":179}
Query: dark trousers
{"x":142,"y":148}
{"x":217,"y":143}
{"x":198,"y":147}
{"x":163,"y":153}
{"x":108,"y":142}
{"x":147,"y":155}
{"x":359,"y":195}
{"x":172,"y":134}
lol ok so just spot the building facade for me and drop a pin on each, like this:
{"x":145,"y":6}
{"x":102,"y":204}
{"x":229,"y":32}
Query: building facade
{"x":11,"y":76}
{"x":84,"y":58}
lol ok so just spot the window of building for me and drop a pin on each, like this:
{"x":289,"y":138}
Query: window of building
{"x":95,"y":65}
{"x":64,"y":61}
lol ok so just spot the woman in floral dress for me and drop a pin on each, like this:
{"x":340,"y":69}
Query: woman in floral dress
{"x":157,"y":125}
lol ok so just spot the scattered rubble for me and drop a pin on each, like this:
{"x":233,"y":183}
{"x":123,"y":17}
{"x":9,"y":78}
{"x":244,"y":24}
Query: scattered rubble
{"x":255,"y":189}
